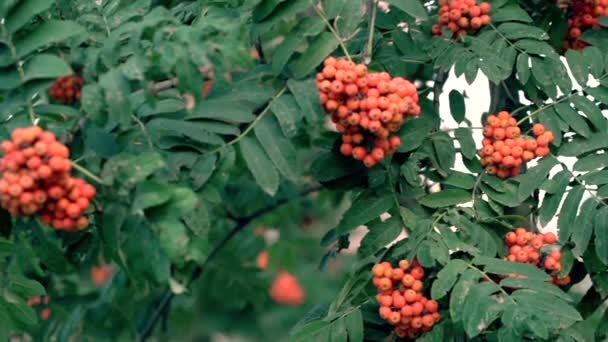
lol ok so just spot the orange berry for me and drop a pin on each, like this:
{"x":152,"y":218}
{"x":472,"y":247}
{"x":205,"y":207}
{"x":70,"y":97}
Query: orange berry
{"x":410,"y":295}
{"x":550,"y":238}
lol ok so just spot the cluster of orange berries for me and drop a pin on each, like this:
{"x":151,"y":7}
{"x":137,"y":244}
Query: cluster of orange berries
{"x":402,"y":303}
{"x":42,"y":302}
{"x":505,"y":149}
{"x":583,"y":16}
{"x":462,"y":17}
{"x":285,"y":288}
{"x":36,"y":178}
{"x":366,"y":107}
{"x":66,"y":89}
{"x":527,"y":247}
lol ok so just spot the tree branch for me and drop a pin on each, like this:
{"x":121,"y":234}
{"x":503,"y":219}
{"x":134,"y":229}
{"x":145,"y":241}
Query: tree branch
{"x":198,"y":271}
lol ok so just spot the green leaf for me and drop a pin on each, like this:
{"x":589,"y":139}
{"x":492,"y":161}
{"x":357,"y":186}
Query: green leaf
{"x":411,"y":7}
{"x":330,"y":166}
{"x":536,"y":285}
{"x":467,"y":144}
{"x":314,"y":55}
{"x":366,"y":207}
{"x":574,"y":120}
{"x":459,"y":179}
{"x":591,"y":162}
{"x":223,"y":109}
{"x":354,"y":326}
{"x":457,"y":106}
{"x":379,"y":235}
{"x":468,"y":279}
{"x":150,"y":194}
{"x":161,"y":128}
{"x":601,"y":234}
{"x":260,"y":165}
{"x":285,"y":109}
{"x":551,"y":201}
{"x":542,"y":303}
{"x":510,"y":13}
{"x":523,"y":68}
{"x":306,"y":94}
{"x":413,"y":133}
{"x":594,"y":58}
{"x":447,"y":277}
{"x":534,"y":177}
{"x":445,"y":152}
{"x":116,"y":89}
{"x":445,"y":198}
{"x":480,"y":308}
{"x":583,"y":227}
{"x":131,"y":169}
{"x":23,"y":13}
{"x":515,"y":31}
{"x":25,"y":287}
{"x":567,"y":214}
{"x":497,"y":266}
{"x":580,"y":146}
{"x":578,"y":66}
{"x":590,"y":110}
{"x":46,"y":33}
{"x":277,"y":147}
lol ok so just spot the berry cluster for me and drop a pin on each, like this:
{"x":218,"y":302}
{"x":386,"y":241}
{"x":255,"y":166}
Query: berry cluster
{"x":461,"y":17}
{"x":366,"y":107}
{"x":66,"y":89}
{"x":43,"y":303}
{"x":527,"y":247}
{"x":505,"y":149}
{"x":36,"y":178}
{"x":401,"y":301}
{"x":286,"y":289}
{"x":583,"y":16}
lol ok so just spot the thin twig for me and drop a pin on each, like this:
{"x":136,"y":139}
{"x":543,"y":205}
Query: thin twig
{"x":251,"y":126}
{"x":369,"y":51}
{"x":333,"y":31}
{"x":86,"y":172}
{"x":242,"y":223}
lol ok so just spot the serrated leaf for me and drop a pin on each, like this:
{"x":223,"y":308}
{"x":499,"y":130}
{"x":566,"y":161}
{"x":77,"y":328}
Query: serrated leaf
{"x":307,"y":97}
{"x":601,"y":234}
{"x":457,"y":106}
{"x":580,"y":146}
{"x":23,"y":13}
{"x":46,"y":33}
{"x":285,"y":109}
{"x":365,"y":208}
{"x":536,"y":285}
{"x":591,"y":111}
{"x":379,"y":235}
{"x":578,"y":66}
{"x":317,"y":51}
{"x":445,"y":198}
{"x":467,"y":144}
{"x":413,"y":133}
{"x":583,"y":227}
{"x":445,"y":152}
{"x":354,"y":326}
{"x":260,"y":165}
{"x":594,"y":58}
{"x":447,"y":277}
{"x":480,"y":308}
{"x":545,"y":304}
{"x":497,"y":266}
{"x":515,"y":31}
{"x":150,"y":194}
{"x":523,"y":68}
{"x":534,"y":177}
{"x":568,"y":212}
{"x":591,"y":162}
{"x":574,"y":120}
{"x":551,"y":201}
{"x":277,"y":147}
{"x":510,"y":13}
{"x":411,"y":7}
{"x":116,"y":89}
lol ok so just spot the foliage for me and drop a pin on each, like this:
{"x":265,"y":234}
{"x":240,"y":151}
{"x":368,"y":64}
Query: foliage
{"x":183,"y":175}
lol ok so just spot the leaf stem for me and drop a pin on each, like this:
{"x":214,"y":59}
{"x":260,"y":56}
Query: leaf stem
{"x":391,"y":182}
{"x":143,"y":130}
{"x":369,"y":52}
{"x":251,"y":126}
{"x":86,"y":172}
{"x":333,"y":31}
